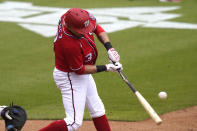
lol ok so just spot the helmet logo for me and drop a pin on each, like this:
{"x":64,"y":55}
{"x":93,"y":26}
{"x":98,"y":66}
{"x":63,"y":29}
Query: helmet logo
{"x":91,"y":17}
{"x":86,"y":23}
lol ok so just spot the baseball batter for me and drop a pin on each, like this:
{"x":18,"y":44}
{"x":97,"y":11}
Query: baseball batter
{"x":75,"y":58}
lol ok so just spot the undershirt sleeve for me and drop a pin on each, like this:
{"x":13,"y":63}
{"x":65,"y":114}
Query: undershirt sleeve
{"x":98,"y":30}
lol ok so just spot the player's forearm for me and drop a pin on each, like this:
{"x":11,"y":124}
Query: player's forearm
{"x":112,"y":53}
{"x":91,"y":69}
{"x":103,"y":37}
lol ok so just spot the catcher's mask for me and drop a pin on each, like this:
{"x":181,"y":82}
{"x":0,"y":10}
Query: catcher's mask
{"x":15,"y":117}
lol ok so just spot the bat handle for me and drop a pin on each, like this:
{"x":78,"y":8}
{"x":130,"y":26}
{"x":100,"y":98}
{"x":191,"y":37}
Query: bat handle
{"x":127,"y":81}
{"x":120,"y":72}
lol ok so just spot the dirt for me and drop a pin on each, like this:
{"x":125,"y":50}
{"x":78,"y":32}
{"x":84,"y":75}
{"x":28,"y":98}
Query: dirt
{"x":181,"y":120}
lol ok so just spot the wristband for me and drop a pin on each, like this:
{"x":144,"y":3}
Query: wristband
{"x":100,"y":68}
{"x":107,"y":45}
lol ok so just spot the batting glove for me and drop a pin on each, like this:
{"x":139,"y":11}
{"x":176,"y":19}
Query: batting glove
{"x":114,"y":67}
{"x":113,"y":55}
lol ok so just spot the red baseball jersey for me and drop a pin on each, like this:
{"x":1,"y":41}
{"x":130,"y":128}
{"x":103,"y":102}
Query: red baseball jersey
{"x":71,"y":52}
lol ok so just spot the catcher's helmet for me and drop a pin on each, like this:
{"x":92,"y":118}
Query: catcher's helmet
{"x":15,"y":117}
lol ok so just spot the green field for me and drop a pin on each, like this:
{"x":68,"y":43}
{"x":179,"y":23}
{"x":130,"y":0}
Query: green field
{"x":153,"y":59}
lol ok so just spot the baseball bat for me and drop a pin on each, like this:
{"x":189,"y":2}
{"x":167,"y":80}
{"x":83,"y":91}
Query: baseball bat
{"x":142,"y":100}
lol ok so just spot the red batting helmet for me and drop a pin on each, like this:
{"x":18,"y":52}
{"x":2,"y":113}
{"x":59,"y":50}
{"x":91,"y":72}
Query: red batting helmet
{"x":80,"y":20}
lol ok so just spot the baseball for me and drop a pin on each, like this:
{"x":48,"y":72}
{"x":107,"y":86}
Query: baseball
{"x":162,"y":95}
